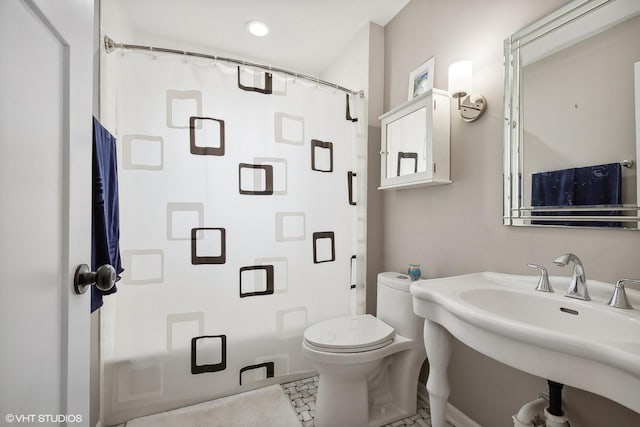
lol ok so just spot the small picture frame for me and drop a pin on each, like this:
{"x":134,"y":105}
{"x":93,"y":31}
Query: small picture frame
{"x":421,"y":79}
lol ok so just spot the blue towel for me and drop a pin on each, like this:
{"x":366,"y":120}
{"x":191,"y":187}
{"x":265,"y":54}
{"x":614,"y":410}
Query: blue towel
{"x":586,"y":186}
{"x":105,"y":215}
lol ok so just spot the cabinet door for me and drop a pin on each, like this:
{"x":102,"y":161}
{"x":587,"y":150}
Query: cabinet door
{"x":409,"y":144}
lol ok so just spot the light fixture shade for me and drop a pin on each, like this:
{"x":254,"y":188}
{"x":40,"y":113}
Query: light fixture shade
{"x":460,"y":79}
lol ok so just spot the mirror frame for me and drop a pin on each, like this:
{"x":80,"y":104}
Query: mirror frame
{"x":514,"y":213}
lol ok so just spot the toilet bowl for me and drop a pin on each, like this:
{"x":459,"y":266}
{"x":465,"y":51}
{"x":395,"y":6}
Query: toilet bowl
{"x":368,"y":366}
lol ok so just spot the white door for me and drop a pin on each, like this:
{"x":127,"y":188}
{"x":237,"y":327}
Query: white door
{"x":46,"y":49}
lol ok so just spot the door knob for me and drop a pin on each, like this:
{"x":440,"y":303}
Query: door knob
{"x":104,"y":278}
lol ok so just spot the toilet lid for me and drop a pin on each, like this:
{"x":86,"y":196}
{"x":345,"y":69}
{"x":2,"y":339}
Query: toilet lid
{"x":355,"y":333}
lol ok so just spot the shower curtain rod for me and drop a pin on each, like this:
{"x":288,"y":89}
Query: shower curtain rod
{"x":111,"y":46}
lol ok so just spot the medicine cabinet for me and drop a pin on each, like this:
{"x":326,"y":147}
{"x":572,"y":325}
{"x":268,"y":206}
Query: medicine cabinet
{"x":415,"y":144}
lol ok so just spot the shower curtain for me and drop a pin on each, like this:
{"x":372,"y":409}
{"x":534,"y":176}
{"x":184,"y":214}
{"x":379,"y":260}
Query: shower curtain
{"x":241,"y":225}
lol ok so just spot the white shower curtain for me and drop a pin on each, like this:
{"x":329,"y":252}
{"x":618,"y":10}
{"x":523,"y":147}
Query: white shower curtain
{"x":240,"y":227}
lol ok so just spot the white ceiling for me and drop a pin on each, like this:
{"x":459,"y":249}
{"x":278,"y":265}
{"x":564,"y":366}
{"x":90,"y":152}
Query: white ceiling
{"x":305,"y":34}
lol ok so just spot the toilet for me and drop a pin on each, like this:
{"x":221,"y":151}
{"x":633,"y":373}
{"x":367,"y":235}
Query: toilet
{"x":368,"y":366}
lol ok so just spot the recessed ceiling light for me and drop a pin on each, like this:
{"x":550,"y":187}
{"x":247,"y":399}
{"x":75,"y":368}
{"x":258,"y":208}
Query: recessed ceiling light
{"x":257,"y":28}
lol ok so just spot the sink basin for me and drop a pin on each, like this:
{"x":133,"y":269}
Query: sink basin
{"x":545,"y":314}
{"x":584,"y":344}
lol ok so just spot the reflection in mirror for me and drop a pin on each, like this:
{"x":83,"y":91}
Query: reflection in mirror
{"x":570,"y":124}
{"x":406,"y":144}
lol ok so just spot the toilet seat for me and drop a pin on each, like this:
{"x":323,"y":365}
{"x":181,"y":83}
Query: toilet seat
{"x":349,"y":334}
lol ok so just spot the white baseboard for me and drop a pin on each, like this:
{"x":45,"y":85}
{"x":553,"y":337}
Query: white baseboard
{"x":454,"y":415}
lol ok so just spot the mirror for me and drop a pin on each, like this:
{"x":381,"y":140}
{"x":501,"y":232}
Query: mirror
{"x":406,"y":145}
{"x":572,"y":110}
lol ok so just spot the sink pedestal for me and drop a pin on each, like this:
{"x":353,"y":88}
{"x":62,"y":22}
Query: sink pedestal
{"x":437,"y":341}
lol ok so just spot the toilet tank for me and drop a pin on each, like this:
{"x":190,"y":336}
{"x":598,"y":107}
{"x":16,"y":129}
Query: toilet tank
{"x":395,"y":305}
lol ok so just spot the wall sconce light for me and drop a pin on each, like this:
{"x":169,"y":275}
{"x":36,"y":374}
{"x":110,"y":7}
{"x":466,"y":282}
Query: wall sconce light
{"x":471,"y":106}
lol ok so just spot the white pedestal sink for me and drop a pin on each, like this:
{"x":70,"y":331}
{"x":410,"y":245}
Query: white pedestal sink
{"x":584,"y":344}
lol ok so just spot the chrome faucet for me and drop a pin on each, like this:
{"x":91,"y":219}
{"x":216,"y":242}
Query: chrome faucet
{"x":578,"y":286}
{"x":619,"y":298}
{"x":543,"y":281}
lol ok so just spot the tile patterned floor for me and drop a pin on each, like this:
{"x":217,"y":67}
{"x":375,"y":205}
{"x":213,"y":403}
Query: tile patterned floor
{"x":302,"y":395}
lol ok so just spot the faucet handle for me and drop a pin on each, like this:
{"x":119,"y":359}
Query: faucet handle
{"x":543,"y":281}
{"x":619,"y":298}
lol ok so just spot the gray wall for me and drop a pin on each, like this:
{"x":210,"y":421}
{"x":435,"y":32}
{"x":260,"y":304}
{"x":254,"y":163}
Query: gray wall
{"x":457,"y":228}
{"x":374,"y":196}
